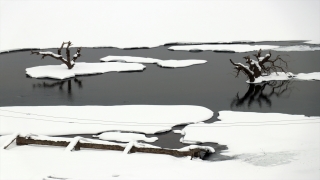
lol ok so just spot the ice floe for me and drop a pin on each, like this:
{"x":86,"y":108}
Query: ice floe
{"x":125,"y":137}
{"x":81,"y":68}
{"x":162,"y":63}
{"x":297,"y":48}
{"x":180,"y":63}
{"x":223,"y":47}
{"x":280,"y":76}
{"x":251,"y":132}
{"x":59,"y":120}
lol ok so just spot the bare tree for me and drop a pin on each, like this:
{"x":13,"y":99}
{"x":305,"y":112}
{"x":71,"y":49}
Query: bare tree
{"x":69,"y":62}
{"x":263,"y":65}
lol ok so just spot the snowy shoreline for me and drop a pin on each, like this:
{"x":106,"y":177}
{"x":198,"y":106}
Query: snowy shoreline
{"x":301,"y":45}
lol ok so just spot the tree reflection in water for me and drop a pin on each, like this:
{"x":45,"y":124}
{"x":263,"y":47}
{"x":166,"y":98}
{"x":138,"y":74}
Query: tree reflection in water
{"x":60,"y":85}
{"x":257,"y":93}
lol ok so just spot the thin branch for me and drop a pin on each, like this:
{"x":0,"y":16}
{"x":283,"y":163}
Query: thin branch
{"x":75,"y":56}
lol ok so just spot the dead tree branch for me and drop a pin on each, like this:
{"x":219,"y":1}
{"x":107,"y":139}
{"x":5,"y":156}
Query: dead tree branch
{"x":69,"y":62}
{"x":262,"y":65}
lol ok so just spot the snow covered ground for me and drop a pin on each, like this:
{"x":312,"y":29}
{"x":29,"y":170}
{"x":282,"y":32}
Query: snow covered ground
{"x":163,"y":63}
{"x":223,"y":47}
{"x":62,"y":72}
{"x":139,"y":23}
{"x":242,"y":48}
{"x":297,"y":48}
{"x":125,"y":137}
{"x":264,"y":146}
{"x":280,"y":76}
{"x":61,"y":120}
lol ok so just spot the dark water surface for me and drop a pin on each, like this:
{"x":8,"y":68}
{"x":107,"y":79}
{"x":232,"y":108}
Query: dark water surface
{"x":211,"y":85}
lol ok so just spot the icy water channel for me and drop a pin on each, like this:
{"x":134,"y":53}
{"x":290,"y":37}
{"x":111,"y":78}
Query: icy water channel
{"x":211,"y":85}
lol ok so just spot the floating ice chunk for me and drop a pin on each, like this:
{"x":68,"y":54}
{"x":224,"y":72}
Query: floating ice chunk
{"x":314,"y":41}
{"x":130,"y":59}
{"x":298,"y":48}
{"x":180,"y":63}
{"x":62,"y":72}
{"x":57,"y":120}
{"x":179,"y":132}
{"x":162,"y":63}
{"x":251,"y":132}
{"x":282,"y":76}
{"x":308,"y":76}
{"x":224,"y":47}
{"x":125,"y":137}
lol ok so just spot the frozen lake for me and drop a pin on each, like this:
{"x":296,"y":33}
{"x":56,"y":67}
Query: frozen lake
{"x":210,"y":85}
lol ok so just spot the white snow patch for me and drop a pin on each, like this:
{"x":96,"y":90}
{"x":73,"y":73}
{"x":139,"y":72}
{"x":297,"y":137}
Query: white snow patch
{"x":73,"y":143}
{"x":62,"y":72}
{"x":125,"y":137}
{"x":130,"y":59}
{"x":178,"y":132}
{"x":9,"y":140}
{"x":162,"y":63}
{"x":224,"y":47}
{"x":250,"y":132}
{"x":180,"y":63}
{"x":244,"y":66}
{"x":188,"y":148}
{"x":257,"y":64}
{"x":50,"y":53}
{"x":308,"y":76}
{"x":39,"y":162}
{"x":59,"y":120}
{"x":280,"y":76}
{"x":128,"y":147}
{"x":297,"y":48}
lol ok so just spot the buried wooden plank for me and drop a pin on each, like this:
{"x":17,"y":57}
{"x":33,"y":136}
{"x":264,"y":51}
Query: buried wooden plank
{"x":192,"y":152}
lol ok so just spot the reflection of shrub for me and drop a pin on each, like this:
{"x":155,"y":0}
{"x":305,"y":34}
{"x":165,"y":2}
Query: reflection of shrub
{"x":256,"y":93}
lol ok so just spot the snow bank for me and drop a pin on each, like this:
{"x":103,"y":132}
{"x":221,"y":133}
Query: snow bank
{"x":213,"y":23}
{"x":188,"y":148}
{"x":39,"y":162}
{"x":162,"y":63}
{"x":60,"y":120}
{"x":250,"y":132}
{"x":280,"y":76}
{"x":223,"y":47}
{"x":62,"y":72}
{"x":125,"y":137}
{"x":297,"y":48}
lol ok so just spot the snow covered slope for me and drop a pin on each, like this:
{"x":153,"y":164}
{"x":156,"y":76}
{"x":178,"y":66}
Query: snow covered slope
{"x":148,"y":24}
{"x":59,"y":120}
